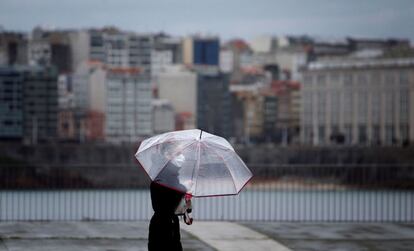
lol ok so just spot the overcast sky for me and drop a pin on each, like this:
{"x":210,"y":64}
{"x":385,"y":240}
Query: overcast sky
{"x":227,"y":18}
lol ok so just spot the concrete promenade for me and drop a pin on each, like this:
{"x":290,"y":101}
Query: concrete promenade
{"x":206,"y":236}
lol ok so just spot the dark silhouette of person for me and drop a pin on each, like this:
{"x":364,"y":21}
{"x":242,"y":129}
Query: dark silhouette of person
{"x":164,"y":228}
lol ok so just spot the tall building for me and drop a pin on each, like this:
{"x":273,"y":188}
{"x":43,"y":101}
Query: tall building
{"x":199,"y":50}
{"x":234,"y":56}
{"x":51,"y":48}
{"x":80,"y":46}
{"x":160,"y":59}
{"x":163,"y":116}
{"x":116,"y":48}
{"x":252,"y":103}
{"x":128,"y":106}
{"x":66,"y":109}
{"x":163,"y":42}
{"x":358,"y":101}
{"x":214,"y":108}
{"x":89,"y":96}
{"x":13,"y":48}
{"x":200,"y":99}
{"x":288,"y":110}
{"x":40,"y":104}
{"x":179,"y":86}
{"x":28,"y":110}
{"x":11,"y":105}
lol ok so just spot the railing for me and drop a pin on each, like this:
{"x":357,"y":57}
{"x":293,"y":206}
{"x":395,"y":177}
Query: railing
{"x":372,"y":193}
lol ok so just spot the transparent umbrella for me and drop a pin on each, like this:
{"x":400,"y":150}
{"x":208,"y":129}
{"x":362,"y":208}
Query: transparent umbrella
{"x":194,"y":162}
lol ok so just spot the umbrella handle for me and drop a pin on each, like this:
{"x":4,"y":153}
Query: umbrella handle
{"x":188,"y":219}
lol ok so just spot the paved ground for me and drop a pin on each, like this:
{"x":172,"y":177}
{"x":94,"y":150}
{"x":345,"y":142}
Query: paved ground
{"x":82,"y":236}
{"x":208,"y":236}
{"x":228,"y":236}
{"x":340,"y":236}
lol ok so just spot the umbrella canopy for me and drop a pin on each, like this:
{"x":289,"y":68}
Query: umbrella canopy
{"x":194,"y":162}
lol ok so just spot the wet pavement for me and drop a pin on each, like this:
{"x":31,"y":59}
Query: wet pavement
{"x":206,"y":236}
{"x":82,"y":236}
{"x":339,"y":236}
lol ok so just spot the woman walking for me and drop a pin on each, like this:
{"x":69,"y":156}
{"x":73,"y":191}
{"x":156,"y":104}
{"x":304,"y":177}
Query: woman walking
{"x":164,"y":229}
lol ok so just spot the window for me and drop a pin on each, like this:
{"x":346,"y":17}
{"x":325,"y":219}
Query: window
{"x":321,"y":134}
{"x":389,"y":79}
{"x":334,"y":78}
{"x":348,"y":106}
{"x":321,"y":107}
{"x":403,"y":78}
{"x":404,"y":132}
{"x":335,"y":107}
{"x":362,"y":134}
{"x":321,"y":80}
{"x":348,"y":80}
{"x":389,"y":107}
{"x":389,"y":134}
{"x":362,"y":107}
{"x":376,"y":134}
{"x":376,"y":107}
{"x":348,"y":133}
{"x":362,"y":80}
{"x":404,"y":105}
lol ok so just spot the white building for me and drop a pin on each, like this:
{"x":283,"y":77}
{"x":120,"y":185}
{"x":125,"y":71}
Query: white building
{"x":89,"y":86}
{"x":65,"y":94}
{"x":226,"y":60}
{"x":40,"y":52}
{"x":116,"y":50}
{"x":160,"y":59}
{"x":128,"y":106}
{"x":163,"y":116}
{"x":291,"y":60}
{"x":113,"y":47}
{"x":262,"y":44}
{"x":367,"y":101}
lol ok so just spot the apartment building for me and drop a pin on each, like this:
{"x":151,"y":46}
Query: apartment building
{"x":358,"y":101}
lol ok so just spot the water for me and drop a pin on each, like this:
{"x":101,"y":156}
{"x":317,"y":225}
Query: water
{"x":263,"y":205}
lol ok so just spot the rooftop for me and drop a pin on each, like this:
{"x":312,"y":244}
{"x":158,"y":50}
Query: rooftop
{"x":352,"y":63}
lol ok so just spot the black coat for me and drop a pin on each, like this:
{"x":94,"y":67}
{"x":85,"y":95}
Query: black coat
{"x":164,"y":229}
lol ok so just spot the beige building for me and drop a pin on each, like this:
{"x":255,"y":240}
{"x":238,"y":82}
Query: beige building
{"x":359,"y":101}
{"x":179,"y":86}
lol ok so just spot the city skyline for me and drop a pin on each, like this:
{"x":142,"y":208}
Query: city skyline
{"x":244,"y":19}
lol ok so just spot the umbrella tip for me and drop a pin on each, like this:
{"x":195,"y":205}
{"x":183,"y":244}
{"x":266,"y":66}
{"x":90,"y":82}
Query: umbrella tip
{"x":201,"y":132}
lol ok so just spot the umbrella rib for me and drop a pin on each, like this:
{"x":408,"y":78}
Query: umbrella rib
{"x":225,"y":162}
{"x":172,"y":157}
{"x":197,"y":167}
{"x":221,"y":146}
{"x":163,"y":142}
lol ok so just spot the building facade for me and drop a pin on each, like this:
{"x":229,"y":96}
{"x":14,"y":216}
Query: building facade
{"x":128,"y":106}
{"x":214,"y":108}
{"x":40,"y":104}
{"x":179,"y":86}
{"x":29,"y":106}
{"x":11,"y":105}
{"x":163,"y":116}
{"x":13,"y":48}
{"x":116,"y":48}
{"x":361,"y":102}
